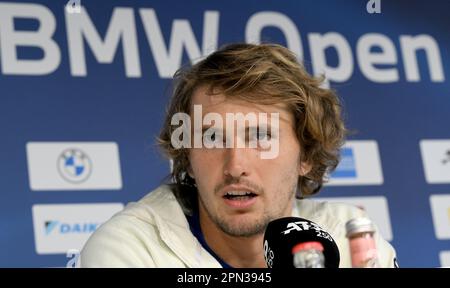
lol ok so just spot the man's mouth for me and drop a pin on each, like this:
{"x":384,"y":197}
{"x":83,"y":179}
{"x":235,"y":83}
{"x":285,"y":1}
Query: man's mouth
{"x":239,"y":195}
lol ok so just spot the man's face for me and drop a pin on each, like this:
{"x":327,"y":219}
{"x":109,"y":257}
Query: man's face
{"x":239,"y":191}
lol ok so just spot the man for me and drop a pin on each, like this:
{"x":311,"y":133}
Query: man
{"x":229,"y":181}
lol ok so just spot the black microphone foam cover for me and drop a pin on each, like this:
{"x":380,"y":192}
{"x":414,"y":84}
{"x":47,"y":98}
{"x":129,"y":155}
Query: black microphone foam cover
{"x":284,"y":233}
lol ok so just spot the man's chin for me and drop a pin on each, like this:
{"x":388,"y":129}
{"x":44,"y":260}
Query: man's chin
{"x":242,"y":227}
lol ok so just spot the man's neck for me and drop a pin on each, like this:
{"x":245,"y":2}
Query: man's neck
{"x":238,"y":252}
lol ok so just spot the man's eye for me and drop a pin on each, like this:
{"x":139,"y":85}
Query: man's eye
{"x":260,"y":135}
{"x":260,"y":138}
{"x":263,"y":136}
{"x":217,"y":136}
{"x":212,"y":137}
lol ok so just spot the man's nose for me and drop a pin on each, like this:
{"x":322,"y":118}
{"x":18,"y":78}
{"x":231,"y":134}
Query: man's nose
{"x":236,"y":164}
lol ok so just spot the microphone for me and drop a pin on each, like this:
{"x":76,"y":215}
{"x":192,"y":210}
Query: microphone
{"x":283,"y":234}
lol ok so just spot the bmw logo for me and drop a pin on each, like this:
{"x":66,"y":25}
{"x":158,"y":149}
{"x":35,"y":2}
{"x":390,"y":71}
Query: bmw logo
{"x":74,"y":165}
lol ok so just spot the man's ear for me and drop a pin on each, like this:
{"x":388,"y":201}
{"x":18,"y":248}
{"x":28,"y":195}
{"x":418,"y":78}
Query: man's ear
{"x":304,"y":168}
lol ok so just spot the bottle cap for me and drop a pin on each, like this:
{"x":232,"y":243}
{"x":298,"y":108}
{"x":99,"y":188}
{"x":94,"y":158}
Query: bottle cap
{"x":307,"y":246}
{"x":359,"y":225}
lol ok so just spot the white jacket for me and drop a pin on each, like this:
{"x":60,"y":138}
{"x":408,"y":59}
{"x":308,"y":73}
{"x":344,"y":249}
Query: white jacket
{"x":154,"y":232}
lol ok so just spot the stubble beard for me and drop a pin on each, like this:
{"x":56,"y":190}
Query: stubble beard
{"x":247,"y":227}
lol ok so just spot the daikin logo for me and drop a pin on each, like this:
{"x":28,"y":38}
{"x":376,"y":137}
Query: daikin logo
{"x":50,"y":226}
{"x":59,"y":228}
{"x":70,"y":228}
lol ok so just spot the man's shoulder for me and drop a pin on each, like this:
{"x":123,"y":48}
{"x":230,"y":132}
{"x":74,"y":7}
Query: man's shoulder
{"x":123,"y":234}
{"x":331,"y":216}
{"x":142,"y":210}
{"x":158,"y":203}
{"x":318,"y":207}
{"x":129,"y":231}
{"x":159,"y":199}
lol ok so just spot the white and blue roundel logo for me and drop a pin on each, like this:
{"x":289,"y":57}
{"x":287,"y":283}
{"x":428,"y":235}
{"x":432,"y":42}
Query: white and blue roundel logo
{"x":74,"y":165}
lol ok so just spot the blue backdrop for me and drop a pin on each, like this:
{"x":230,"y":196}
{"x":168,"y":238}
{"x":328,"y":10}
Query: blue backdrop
{"x":73,"y":93}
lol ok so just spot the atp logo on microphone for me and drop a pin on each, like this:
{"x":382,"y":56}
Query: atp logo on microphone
{"x":297,"y":226}
{"x":305,"y":226}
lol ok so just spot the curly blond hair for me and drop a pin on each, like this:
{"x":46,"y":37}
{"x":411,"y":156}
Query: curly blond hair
{"x":263,"y":74}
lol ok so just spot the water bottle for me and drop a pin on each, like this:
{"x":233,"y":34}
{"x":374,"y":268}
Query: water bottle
{"x":308,"y":255}
{"x":362,"y":244}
